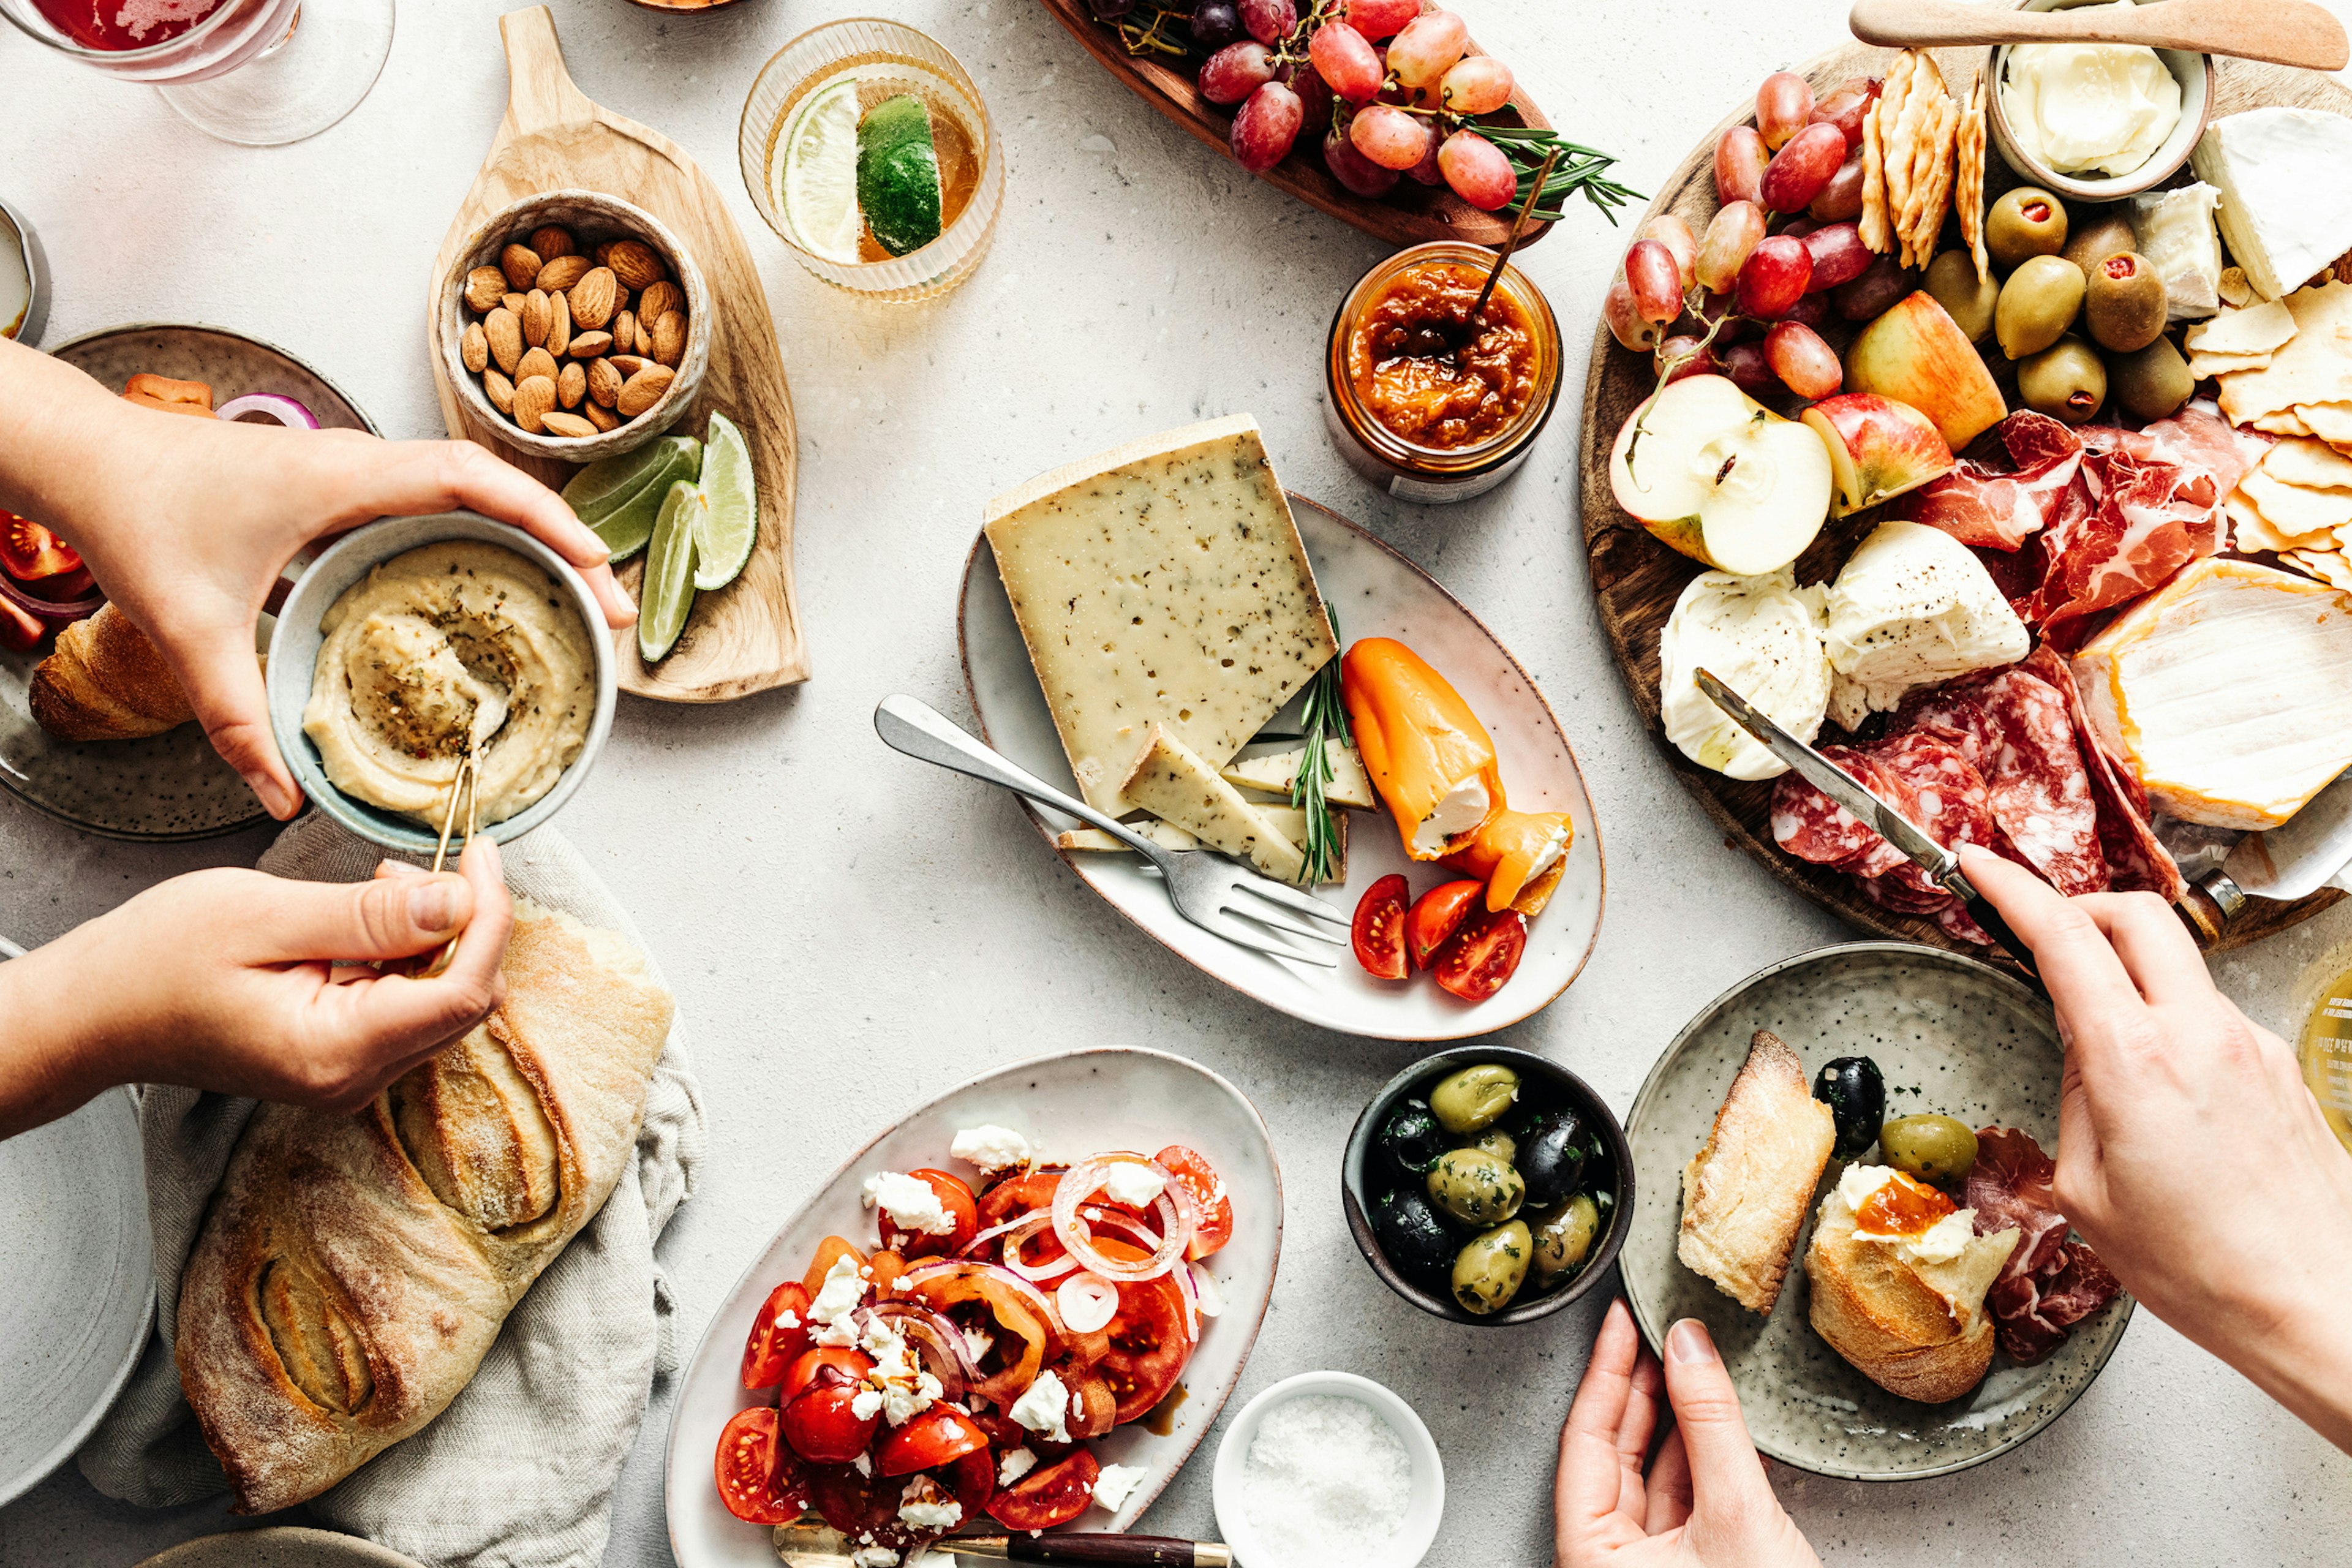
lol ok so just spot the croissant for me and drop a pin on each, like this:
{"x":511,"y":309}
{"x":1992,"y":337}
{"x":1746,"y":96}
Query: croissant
{"x":353,"y":1270}
{"x":106,"y":682}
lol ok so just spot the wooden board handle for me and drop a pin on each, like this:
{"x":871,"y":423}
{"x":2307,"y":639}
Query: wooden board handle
{"x":540,"y":90}
{"x":2283,"y":32}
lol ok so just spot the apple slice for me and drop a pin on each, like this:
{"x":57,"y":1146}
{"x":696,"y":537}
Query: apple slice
{"x":1720,"y":478}
{"x":1878,"y":448}
{"x":1917,"y":354}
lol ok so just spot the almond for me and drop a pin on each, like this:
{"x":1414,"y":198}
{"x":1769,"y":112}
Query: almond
{"x":635,"y":263}
{"x":669,"y":339}
{"x":605,"y":252}
{"x":563,"y":272}
{"x":504,"y":331}
{"x":534,"y":318}
{"x":625,"y":331}
{"x":486,"y":288}
{"x":629,"y":365}
{"x":593,"y":298}
{"x":570,"y":425}
{"x":534,"y":397}
{"x":474,"y":348}
{"x":534,"y":362}
{"x":645,"y":337}
{"x":513,"y":302}
{"x":603,"y":383}
{"x":588,"y":345}
{"x":552,"y":241}
{"x":559,"y":325}
{"x":501,"y":391}
{"x":645,"y":389}
{"x":520,"y":263}
{"x":600,"y":416}
{"x":659,"y":300}
{"x":571,"y":385}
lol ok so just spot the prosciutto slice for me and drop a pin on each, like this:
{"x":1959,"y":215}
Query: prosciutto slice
{"x":2195,"y":439}
{"x":2052,"y":1281}
{"x":1988,"y":508}
{"x":2148,"y":519}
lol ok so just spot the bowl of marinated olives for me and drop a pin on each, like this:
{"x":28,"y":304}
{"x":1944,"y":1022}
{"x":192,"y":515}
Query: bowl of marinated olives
{"x":2194,"y":72}
{"x":1486,"y":1185}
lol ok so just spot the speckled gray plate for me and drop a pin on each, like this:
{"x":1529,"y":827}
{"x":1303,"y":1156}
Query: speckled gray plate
{"x":1952,"y":1036}
{"x":173,"y":785}
{"x":283,"y":1546}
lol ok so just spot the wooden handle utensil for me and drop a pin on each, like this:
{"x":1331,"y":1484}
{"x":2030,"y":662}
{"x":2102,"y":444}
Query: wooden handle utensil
{"x":811,"y":1543}
{"x":2283,"y":32}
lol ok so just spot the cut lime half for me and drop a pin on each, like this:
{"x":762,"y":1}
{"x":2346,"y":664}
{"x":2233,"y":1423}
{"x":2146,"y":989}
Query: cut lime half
{"x":898,"y":174}
{"x":619,"y":497}
{"x":814,"y":174}
{"x":727,"y":524}
{"x":669,"y":597}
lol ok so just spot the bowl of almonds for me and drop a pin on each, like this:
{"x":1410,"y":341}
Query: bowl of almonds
{"x":575,"y":326}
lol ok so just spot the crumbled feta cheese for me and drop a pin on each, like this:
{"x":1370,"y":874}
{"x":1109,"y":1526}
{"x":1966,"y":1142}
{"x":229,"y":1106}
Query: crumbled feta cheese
{"x":991,"y":1148}
{"x":1115,"y":1484}
{"x":978,"y":1342}
{"x":910,"y":1203}
{"x":1044,"y":1407}
{"x":1208,"y":1298}
{"x":902,"y":1402}
{"x":865,"y":1403}
{"x":788,"y":1319}
{"x":836,"y":1301}
{"x":888,"y":1349}
{"x":875,"y":1557}
{"x":864,"y":1463}
{"x":923,"y":1506}
{"x":1137,"y":1186}
{"x":1015,"y":1464}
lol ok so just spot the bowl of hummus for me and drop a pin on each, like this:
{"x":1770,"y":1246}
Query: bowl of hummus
{"x":2095,"y":122}
{"x":413,"y":641}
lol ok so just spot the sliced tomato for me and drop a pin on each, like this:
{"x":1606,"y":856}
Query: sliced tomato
{"x":1149,"y":1346}
{"x":1476,"y":960}
{"x":951,"y":1288}
{"x":1436,"y":915}
{"x":1215,"y":1209}
{"x":887,"y":1267}
{"x":771,"y":1349}
{"x":1378,"y":930}
{"x":939,"y":1436}
{"x":809,"y":1366}
{"x":1019,"y":1195}
{"x":19,"y":632}
{"x":759,"y":1479}
{"x":861,"y":1507}
{"x":957,"y":1199}
{"x":828,"y":1252}
{"x":1093,"y":1410}
{"x":29,"y":551}
{"x":823,"y":1426}
{"x":1045,"y":1498}
{"x":972,"y":1479}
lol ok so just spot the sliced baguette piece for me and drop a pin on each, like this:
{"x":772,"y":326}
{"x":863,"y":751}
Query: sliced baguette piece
{"x":1172,"y":783}
{"x":1272,"y":770}
{"x":1745,"y":1194}
{"x":1917,"y":1329}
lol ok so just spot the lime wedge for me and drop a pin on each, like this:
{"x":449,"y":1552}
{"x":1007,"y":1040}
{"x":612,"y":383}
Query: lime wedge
{"x":669,"y":597}
{"x":814,"y":174}
{"x":898,"y":174}
{"x":727,"y":524}
{"x":619,"y":496}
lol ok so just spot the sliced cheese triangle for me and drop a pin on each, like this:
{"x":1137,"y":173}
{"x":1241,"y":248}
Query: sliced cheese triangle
{"x":1173,"y":782}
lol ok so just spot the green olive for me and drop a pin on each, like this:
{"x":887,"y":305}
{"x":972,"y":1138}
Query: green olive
{"x":1476,"y":1188}
{"x":2122,"y":305}
{"x":2065,"y":381}
{"x":2024,"y":223}
{"x":1936,"y":1148}
{"x":1488,"y":1272}
{"x":2038,"y":303}
{"x":1966,"y":298}
{"x":1498,"y":1143}
{"x":2102,"y":233}
{"x":2151,"y":383}
{"x":1475,"y":1099}
{"x":1564,"y":1236}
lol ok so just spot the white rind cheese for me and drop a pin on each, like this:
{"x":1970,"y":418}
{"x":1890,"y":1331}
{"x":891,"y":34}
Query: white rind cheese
{"x":1273,"y":771}
{"x":1911,"y":609}
{"x":1762,"y":638}
{"x":2228,"y":690}
{"x":1171,"y":781}
{"x":2285,"y":179}
{"x":1162,"y":582}
{"x":2174,"y":230}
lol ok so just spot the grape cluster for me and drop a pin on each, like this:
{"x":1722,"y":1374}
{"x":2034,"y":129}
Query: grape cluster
{"x":1784,"y":249}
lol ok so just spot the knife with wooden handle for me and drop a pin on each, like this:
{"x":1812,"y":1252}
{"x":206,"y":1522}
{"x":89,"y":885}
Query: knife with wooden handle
{"x":810,"y":1544}
{"x":2283,"y":32}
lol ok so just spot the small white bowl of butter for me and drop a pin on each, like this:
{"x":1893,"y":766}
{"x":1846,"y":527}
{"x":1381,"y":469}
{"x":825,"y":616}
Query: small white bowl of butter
{"x":1327,"y":1469}
{"x":2101,"y":104}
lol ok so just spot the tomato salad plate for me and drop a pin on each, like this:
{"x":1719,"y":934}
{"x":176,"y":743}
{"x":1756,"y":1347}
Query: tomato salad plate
{"x":1020,"y":1309}
{"x":1163,"y":630}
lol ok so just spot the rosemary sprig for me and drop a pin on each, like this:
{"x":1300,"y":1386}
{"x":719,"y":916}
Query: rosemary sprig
{"x":1325,"y":717}
{"x":1581,"y":169}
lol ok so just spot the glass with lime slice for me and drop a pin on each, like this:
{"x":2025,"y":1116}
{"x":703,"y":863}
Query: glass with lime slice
{"x":620,"y":496}
{"x":668,"y":595}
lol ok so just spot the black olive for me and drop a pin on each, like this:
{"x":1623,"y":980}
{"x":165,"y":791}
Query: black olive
{"x":1552,"y":1158}
{"x":1856,"y":1095}
{"x":1415,"y":1239}
{"x":1412,"y":1139}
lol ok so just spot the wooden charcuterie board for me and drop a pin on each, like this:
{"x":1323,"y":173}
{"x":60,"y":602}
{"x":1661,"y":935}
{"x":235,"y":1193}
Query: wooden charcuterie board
{"x":746,"y":637}
{"x":1636,"y":580}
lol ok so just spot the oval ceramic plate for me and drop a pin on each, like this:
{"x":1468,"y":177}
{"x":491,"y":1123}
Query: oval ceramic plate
{"x":1068,"y":1106}
{"x":174,"y":785}
{"x":1952,"y":1036}
{"x":1374,"y":592}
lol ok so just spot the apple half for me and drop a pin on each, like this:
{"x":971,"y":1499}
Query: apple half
{"x":1720,"y":478}
{"x":1915,"y":354}
{"x":1878,"y":448}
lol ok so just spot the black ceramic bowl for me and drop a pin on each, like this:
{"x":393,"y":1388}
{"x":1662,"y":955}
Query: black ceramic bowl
{"x":1362,"y":1178}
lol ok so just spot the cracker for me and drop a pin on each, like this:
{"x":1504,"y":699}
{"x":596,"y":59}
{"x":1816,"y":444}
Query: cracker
{"x":2205,"y":367}
{"x":2315,"y":367}
{"x":2233,"y":288}
{"x":1895,"y":150}
{"x":2293,"y":511}
{"x":2330,"y":566}
{"x":1873,"y":183}
{"x":2331,"y":422}
{"x":2257,"y":330}
{"x":1970,"y":199}
{"x":1929,"y":225}
{"x":2287,"y":422}
{"x":2249,"y":530}
{"x":2309,"y":462}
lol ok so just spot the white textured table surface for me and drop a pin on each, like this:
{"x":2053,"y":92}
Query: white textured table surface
{"x":851,"y":932}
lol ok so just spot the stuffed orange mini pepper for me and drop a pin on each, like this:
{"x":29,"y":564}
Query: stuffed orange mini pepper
{"x":1520,"y":856}
{"x":1430,"y":760}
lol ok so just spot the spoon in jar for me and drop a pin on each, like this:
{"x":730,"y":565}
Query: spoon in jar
{"x":1459,"y":336}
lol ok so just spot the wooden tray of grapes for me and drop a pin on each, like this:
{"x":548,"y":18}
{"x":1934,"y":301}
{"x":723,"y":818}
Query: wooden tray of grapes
{"x":1410,"y":213}
{"x":746,"y":637}
{"x":1636,"y":580}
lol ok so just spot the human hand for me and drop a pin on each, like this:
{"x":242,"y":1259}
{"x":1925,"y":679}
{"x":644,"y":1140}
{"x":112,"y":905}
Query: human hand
{"x":1705,"y":1502}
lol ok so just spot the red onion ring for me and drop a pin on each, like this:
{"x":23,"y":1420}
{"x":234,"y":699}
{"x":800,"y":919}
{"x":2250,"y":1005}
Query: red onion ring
{"x":58,"y":610}
{"x":1041,"y":1273}
{"x":993,"y":1232}
{"x":940,"y":1340}
{"x":276,"y":409}
{"x":1087,"y":1303}
{"x":1036,"y":1298}
{"x":1084,"y":1182}
{"x":1190,"y":1289}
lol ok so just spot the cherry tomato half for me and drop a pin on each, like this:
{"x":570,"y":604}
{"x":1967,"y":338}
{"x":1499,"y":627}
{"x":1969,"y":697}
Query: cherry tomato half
{"x":972,"y":1480}
{"x":828,"y":1251}
{"x":29,"y":551}
{"x":954,"y":1197}
{"x":19,"y":632}
{"x":939,"y":1436}
{"x":771,"y":1349}
{"x":1149,"y":1346}
{"x":1045,"y":1498}
{"x":851,"y":1364}
{"x":1436,"y":915}
{"x":823,"y":1426}
{"x":1378,"y":929}
{"x":759,"y":1479}
{"x":1215,"y":1209}
{"x":860,"y":1507}
{"x":1476,"y":960}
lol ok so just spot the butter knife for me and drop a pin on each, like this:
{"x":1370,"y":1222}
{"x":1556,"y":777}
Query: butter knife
{"x":1942,"y":865}
{"x":811,"y":1543}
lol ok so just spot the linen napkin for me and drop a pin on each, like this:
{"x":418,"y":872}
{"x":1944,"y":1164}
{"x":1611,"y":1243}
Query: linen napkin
{"x":519,"y":1471}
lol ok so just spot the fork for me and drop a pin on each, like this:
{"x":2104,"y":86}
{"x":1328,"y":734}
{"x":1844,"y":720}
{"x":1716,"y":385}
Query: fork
{"x":1206,"y":889}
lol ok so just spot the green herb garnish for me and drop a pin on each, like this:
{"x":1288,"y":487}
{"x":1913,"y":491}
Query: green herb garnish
{"x":1326,"y":718}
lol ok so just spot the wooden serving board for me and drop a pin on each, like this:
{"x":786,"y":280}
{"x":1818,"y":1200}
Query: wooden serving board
{"x":1409,"y":215}
{"x":1636,"y":580}
{"x":746,"y":637}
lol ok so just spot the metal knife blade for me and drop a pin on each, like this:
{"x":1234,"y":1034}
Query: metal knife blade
{"x":2302,"y":855}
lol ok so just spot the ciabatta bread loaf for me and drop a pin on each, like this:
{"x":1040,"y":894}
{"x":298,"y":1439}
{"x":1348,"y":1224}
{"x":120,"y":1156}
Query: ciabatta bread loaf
{"x":106,"y":682}
{"x":1745,"y":1194}
{"x":355,"y":1271}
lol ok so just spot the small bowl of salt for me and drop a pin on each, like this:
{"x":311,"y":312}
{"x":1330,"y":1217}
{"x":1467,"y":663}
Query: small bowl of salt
{"x":1327,"y":1469}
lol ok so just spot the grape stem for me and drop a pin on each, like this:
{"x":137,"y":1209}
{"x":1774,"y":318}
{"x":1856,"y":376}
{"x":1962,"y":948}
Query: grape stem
{"x":1693,"y":302}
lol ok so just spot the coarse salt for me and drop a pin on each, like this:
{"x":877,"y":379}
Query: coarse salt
{"x":1326,"y":1482}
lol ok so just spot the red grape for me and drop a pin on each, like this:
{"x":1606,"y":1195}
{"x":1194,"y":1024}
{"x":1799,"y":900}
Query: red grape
{"x":1478,"y":84}
{"x":1774,"y":277}
{"x":1696,"y":361}
{"x":1839,"y":256}
{"x":1871,"y":294}
{"x":1350,"y":64}
{"x":1421,"y":55}
{"x":1215,"y":24}
{"x":1625,"y":322}
{"x":1675,"y":235}
{"x":1799,"y":170}
{"x":1797,"y":228}
{"x":1389,"y":136}
{"x":1784,"y":103}
{"x":1739,"y":161}
{"x":1477,"y":169}
{"x":1352,"y":169}
{"x":1314,"y":93}
{"x":1379,"y":18}
{"x":1722,"y":311}
{"x":1267,"y":126}
{"x":1235,"y":71}
{"x":1841,"y":198}
{"x":1748,"y":369}
{"x":1269,"y":21}
{"x":1426,"y":171}
{"x":1846,"y":107}
{"x":1802,"y":362}
{"x":1810,"y":311}
{"x":1731,"y":234}
{"x":1657,"y":292}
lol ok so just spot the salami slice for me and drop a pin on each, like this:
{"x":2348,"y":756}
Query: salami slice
{"x":1811,"y":827}
{"x":2037,"y":786}
{"x":2137,"y":861}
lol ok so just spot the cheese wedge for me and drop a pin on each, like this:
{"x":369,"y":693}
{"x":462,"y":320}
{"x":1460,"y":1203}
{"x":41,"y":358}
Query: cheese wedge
{"x":2228,"y":690}
{"x":2174,"y":230}
{"x":1167,"y":834}
{"x":1289,"y":819}
{"x":2286,"y":209}
{"x":1172,"y":782}
{"x":1273,"y":771}
{"x":1161,"y":582}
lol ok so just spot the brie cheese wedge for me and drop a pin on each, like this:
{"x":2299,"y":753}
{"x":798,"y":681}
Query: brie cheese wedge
{"x":2286,"y":204}
{"x":1762,"y":638}
{"x":1913,"y":608}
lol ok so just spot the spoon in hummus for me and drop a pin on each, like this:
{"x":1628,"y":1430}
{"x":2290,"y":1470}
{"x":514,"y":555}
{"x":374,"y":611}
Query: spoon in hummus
{"x":490,"y":709}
